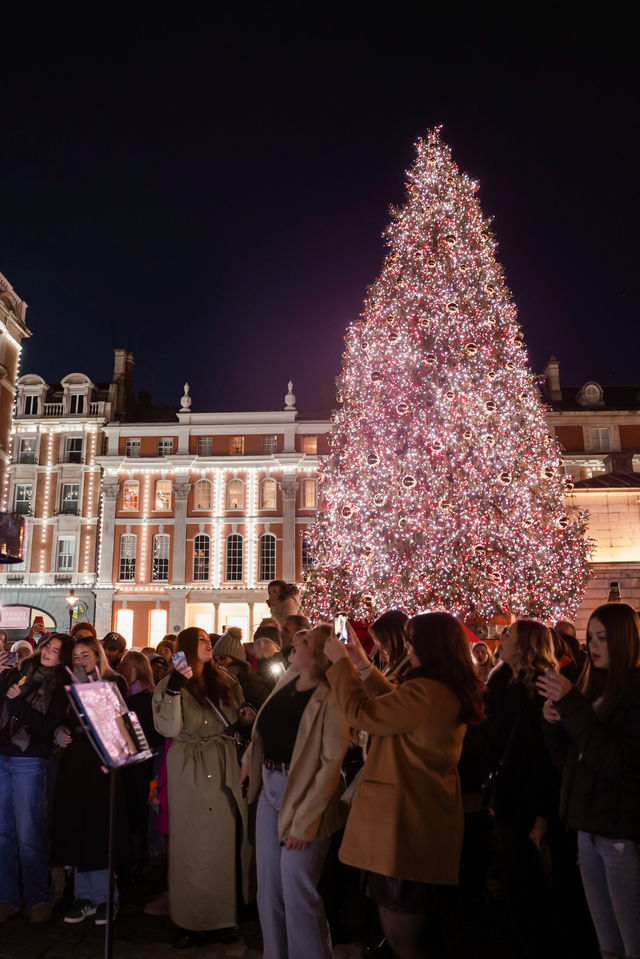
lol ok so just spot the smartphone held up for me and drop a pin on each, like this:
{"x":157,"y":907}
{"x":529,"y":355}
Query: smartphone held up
{"x":340,"y":627}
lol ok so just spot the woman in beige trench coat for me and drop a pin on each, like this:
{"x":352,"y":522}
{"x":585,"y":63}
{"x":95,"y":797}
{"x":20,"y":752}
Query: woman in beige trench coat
{"x":206,"y":805}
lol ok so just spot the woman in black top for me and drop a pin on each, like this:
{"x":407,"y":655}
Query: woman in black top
{"x":32,"y":703}
{"x":293,"y":764}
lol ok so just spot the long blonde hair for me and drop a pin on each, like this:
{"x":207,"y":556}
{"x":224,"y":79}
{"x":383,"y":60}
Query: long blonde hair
{"x":535,"y":646}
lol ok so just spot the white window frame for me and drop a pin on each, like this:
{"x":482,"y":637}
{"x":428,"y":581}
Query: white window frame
{"x":268,"y":483}
{"x":77,"y":399}
{"x":235,"y":479}
{"x":132,"y":446}
{"x":267,"y":573}
{"x":76,"y":511}
{"x":68,"y":452}
{"x":165,"y":446}
{"x":31,"y":400}
{"x":27,"y":499}
{"x":200,"y":485}
{"x":269,"y":445}
{"x":234,"y":562}
{"x":69,"y":555}
{"x":161,"y":508}
{"x":125,"y":485}
{"x":201,"y":563}
{"x":601,"y":439}
{"x":236,"y":445}
{"x":310,"y":444}
{"x":160,"y":553}
{"x":27,"y":457}
{"x":308,"y":484}
{"x":128,"y":540}
{"x":205,"y":446}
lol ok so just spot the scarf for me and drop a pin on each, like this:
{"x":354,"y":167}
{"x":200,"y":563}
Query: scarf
{"x":37,"y":692}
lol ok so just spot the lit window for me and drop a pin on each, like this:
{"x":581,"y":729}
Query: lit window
{"x":31,"y":405}
{"x":130,"y":492}
{"x":66,"y":550}
{"x":310,"y":444}
{"x":124,"y":624}
{"x":201,"y":558}
{"x":306,"y":554}
{"x":236,"y":445}
{"x":267,"y":557}
{"x":308,"y":493}
{"x":163,"y":495}
{"x":76,"y":403}
{"x":234,"y":567}
{"x":601,"y":440}
{"x":160,"y":567}
{"x":127,"y":570}
{"x":235,"y":494}
{"x":205,"y":446}
{"x":268,"y":494}
{"x":157,"y":626}
{"x":269,"y":445}
{"x":74,"y":449}
{"x":165,"y":446}
{"x":27,"y":452}
{"x":132,"y":446}
{"x":70,"y":497}
{"x":24,"y":493}
{"x":203,"y":495}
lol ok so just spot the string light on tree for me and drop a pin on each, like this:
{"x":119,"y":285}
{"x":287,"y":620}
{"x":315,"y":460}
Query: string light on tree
{"x":442,"y":488}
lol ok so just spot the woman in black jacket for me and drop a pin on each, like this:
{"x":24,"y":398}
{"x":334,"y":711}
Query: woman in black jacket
{"x":593,"y":732}
{"x":32,"y":703}
{"x":81,"y":802}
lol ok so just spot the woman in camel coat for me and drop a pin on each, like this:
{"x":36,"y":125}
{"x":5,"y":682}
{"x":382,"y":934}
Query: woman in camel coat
{"x":405,"y":827}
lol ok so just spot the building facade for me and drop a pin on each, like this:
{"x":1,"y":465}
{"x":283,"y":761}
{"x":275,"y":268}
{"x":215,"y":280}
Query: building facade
{"x":13,"y":330}
{"x":146,"y":519}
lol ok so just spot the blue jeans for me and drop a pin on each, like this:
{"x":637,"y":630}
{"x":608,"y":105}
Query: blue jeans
{"x":294,"y":924}
{"x":93,"y":885}
{"x":611,"y":877}
{"x":22,"y":837}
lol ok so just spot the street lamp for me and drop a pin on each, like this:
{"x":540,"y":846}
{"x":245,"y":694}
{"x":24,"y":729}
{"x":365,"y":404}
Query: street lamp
{"x":71,"y":600}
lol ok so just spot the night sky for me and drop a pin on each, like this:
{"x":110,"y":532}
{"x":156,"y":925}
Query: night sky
{"x":207,"y":187}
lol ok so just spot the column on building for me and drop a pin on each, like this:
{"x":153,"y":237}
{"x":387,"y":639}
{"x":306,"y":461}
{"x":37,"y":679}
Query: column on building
{"x":289,"y":492}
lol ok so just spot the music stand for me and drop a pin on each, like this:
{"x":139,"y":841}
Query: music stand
{"x":100,"y":709}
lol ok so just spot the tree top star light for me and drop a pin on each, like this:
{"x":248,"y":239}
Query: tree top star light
{"x":443,"y":488}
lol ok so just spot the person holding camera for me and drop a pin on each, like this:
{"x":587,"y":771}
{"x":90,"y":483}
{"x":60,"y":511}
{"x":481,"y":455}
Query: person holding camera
{"x":32,"y":704}
{"x":206,"y":803}
{"x":293,"y":768}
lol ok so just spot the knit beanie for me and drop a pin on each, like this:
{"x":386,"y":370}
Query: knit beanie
{"x":230,"y":645}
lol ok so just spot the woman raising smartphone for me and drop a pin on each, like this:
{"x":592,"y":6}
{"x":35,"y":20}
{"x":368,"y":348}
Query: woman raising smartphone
{"x":593,"y":732}
{"x":206,"y":806}
{"x":406,"y":822}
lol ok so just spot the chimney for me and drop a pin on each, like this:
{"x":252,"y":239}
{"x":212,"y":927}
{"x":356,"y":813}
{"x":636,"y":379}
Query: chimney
{"x":121,"y":392}
{"x":551,"y":375}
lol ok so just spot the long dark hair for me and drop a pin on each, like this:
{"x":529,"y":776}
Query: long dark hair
{"x":440,"y":644}
{"x":33,"y":662}
{"x":389,"y":631}
{"x":615,"y":684}
{"x":208,"y":682}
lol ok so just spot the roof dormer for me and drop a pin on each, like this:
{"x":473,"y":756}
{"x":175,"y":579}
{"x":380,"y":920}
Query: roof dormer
{"x":32,"y":391}
{"x":591,"y":395}
{"x":76,"y":389}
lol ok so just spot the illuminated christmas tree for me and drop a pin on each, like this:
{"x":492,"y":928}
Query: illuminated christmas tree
{"x":443,"y":488}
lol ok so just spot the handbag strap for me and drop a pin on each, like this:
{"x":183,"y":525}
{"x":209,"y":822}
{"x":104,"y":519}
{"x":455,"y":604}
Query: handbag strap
{"x":228,"y":728}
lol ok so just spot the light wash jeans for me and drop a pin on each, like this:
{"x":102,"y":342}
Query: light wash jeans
{"x":611,"y":877}
{"x":22,"y":840}
{"x":93,"y":885}
{"x":292,"y":916}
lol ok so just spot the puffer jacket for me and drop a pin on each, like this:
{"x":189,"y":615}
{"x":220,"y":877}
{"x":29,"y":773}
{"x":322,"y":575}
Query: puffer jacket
{"x":600,"y":763}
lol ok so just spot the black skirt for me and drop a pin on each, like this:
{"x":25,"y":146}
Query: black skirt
{"x":402,"y":895}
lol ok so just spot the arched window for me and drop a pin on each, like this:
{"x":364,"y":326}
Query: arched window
{"x":235,"y":563}
{"x":268,"y":494}
{"x":267,"y":557}
{"x":160,"y":564}
{"x":203,"y":495}
{"x":130,"y":494}
{"x":235,"y":494}
{"x":201,"y":558}
{"x":127,"y":566}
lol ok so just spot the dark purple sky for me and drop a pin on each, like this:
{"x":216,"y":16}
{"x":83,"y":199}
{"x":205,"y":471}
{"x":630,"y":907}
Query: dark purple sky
{"x":208,"y":188}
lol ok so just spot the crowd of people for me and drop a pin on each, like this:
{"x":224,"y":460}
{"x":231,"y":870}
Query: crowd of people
{"x":423,"y":762}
